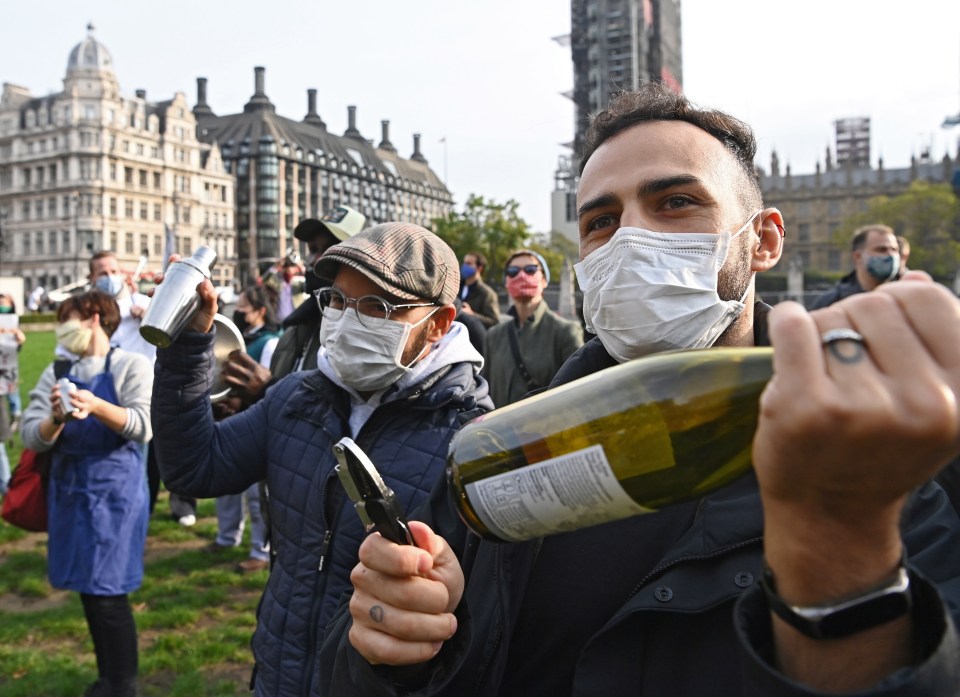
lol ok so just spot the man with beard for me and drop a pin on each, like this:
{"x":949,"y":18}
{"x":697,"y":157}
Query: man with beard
{"x":395,"y":373}
{"x":799,"y":580}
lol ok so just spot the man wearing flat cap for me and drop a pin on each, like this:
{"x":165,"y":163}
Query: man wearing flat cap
{"x":395,"y":373}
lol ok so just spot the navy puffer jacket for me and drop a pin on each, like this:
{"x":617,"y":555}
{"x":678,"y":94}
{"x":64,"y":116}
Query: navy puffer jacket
{"x":287,"y":439}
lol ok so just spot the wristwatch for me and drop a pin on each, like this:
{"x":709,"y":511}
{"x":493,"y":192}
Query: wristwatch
{"x":847,"y":616}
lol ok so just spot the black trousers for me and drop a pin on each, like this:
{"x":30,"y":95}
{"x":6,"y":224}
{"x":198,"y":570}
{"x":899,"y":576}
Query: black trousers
{"x":114,"y":633}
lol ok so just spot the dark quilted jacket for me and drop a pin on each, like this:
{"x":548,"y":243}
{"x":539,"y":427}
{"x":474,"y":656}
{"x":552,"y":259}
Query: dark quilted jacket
{"x":286,"y":438}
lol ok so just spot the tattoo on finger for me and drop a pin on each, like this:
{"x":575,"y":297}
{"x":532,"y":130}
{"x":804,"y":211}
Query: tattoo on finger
{"x":376,"y":614}
{"x":847,"y":351}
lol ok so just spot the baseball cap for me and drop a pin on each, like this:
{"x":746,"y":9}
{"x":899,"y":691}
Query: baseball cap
{"x":406,"y":260}
{"x":342,"y":222}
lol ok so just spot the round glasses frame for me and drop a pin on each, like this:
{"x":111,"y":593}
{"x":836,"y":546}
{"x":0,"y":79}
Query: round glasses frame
{"x":370,"y":309}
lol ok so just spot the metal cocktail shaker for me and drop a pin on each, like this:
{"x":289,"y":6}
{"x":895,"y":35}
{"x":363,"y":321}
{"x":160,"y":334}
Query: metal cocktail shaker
{"x":176,"y":300}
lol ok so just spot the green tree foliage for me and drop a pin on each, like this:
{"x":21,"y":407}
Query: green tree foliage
{"x":928,"y":215}
{"x":494,"y":229}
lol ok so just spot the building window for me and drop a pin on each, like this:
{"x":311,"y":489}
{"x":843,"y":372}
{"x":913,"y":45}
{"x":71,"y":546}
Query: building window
{"x":128,"y":208}
{"x":65,"y":242}
{"x":143,"y":179}
{"x":156,"y":211}
{"x":157,"y":248}
{"x":128,"y":243}
{"x":803,"y":232}
{"x":113,"y":208}
{"x":113,"y":240}
{"x":26,"y":244}
{"x":833,"y":259}
{"x":156,"y":180}
{"x":38,"y":239}
{"x":143,"y":210}
{"x":52,"y":241}
{"x":128,"y":176}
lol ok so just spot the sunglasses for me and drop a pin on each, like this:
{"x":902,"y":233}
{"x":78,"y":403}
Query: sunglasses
{"x":529,"y":269}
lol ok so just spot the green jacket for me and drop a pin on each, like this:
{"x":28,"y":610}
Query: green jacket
{"x":545,"y":341}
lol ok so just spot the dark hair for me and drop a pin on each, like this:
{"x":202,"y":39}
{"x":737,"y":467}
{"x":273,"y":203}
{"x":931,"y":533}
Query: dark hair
{"x":100,"y":255}
{"x":481,"y":260}
{"x":13,"y":305}
{"x":654,"y":101}
{"x":258,"y":297}
{"x":91,"y":303}
{"x":859,"y":239}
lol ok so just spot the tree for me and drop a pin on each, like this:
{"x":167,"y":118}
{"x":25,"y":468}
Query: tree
{"x":928,"y":215}
{"x":494,"y":229}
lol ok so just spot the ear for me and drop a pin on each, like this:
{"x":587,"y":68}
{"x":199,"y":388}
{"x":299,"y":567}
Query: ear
{"x":440,"y":322}
{"x":769,"y":246}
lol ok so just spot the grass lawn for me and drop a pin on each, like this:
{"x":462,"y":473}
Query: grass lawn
{"x":195,"y":614}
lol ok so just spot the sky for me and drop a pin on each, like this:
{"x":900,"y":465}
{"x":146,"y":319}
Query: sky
{"x":482,"y":80}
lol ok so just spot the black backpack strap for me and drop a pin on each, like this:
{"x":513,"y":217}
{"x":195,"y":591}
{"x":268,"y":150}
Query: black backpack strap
{"x":515,"y":348}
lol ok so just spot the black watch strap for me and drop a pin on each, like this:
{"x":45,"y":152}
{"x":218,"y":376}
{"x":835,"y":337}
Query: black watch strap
{"x":846,"y":616}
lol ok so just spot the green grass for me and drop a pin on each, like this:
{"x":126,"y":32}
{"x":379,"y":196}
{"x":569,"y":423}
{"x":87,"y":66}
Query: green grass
{"x":195,"y":614}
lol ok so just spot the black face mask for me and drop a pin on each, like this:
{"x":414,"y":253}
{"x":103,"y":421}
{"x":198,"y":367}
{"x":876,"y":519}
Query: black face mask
{"x":239,"y":319}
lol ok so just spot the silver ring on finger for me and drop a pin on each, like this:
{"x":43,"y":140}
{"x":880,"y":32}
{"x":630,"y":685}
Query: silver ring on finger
{"x":845,"y":344}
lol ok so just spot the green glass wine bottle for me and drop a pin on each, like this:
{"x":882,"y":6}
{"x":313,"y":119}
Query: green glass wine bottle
{"x":624,"y":441}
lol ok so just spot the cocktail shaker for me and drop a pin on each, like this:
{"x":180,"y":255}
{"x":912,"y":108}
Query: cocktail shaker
{"x":176,"y":301}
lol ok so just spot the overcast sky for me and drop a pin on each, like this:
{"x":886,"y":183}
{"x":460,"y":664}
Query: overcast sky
{"x":486,"y":75}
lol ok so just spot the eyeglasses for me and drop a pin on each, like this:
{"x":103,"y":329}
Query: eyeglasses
{"x":529,"y":269}
{"x":369,"y":308}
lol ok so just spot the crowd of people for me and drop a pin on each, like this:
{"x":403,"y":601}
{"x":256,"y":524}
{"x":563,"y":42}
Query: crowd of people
{"x":831,"y":568}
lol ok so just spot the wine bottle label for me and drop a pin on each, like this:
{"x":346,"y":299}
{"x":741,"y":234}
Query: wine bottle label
{"x":563,"y":493}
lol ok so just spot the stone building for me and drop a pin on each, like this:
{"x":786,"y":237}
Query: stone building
{"x":288,"y":170}
{"x":815,"y":205}
{"x":87,"y":169}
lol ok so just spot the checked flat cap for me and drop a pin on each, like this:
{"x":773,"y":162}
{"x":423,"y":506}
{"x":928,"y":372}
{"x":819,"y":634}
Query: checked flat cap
{"x":406,"y":260}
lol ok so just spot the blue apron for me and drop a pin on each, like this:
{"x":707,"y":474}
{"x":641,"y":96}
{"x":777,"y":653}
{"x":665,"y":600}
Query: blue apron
{"x":97,"y":500}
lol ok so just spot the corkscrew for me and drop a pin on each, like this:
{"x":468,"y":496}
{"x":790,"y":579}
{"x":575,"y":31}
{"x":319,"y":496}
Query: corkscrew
{"x":374,"y":501}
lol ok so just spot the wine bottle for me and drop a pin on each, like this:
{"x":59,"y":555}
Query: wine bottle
{"x":624,"y":441}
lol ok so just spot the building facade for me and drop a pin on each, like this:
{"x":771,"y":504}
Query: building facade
{"x":289,"y":170}
{"x":615,"y":45}
{"x":815,"y":205}
{"x":87,"y":169}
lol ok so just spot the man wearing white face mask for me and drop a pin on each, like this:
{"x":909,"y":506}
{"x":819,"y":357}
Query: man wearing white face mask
{"x":395,"y":373}
{"x":837,"y":522}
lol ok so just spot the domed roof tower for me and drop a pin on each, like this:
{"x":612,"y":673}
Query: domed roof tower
{"x":90,"y":69}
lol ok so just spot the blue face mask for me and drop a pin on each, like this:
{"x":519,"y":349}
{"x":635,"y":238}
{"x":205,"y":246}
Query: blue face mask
{"x":884,"y":267}
{"x":467,"y":271}
{"x":111,"y":285}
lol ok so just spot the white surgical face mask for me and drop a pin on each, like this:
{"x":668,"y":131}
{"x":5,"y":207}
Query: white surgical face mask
{"x":645,"y":291}
{"x":366,"y":359}
{"x":111,"y":284}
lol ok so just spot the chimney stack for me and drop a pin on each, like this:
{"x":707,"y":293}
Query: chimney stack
{"x":385,"y":143}
{"x":312,"y":115}
{"x":259,"y":100}
{"x":417,"y":155}
{"x":202,"y":108}
{"x":352,"y":131}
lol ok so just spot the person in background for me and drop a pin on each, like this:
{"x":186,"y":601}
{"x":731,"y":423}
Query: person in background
{"x":831,"y":568}
{"x":396,"y":374}
{"x":105,"y":274}
{"x":10,"y":409}
{"x":97,"y":490}
{"x":255,"y":318}
{"x":298,"y":345}
{"x":524,"y":353}
{"x":876,"y":258}
{"x":477,"y":297}
{"x":903,"y":245}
